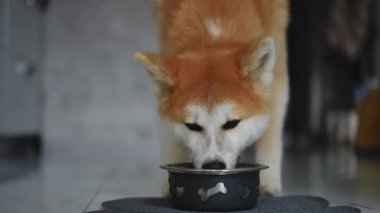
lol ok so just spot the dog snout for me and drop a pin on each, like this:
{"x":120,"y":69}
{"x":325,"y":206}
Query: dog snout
{"x":214,"y":165}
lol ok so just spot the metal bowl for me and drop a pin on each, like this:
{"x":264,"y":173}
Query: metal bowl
{"x":212,"y":189}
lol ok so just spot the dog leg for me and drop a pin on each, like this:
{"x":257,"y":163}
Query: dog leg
{"x":268,"y":152}
{"x":269,"y":147}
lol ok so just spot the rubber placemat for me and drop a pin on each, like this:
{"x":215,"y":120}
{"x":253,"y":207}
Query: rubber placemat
{"x":286,"y":204}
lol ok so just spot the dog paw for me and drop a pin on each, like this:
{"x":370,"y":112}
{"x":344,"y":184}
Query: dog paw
{"x":270,"y":187}
{"x":269,"y":192}
{"x":165,"y":190}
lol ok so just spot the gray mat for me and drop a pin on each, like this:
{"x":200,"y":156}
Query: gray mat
{"x":287,"y":204}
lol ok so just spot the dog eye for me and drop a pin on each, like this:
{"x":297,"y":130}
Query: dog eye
{"x":194,"y":127}
{"x":231,"y":124}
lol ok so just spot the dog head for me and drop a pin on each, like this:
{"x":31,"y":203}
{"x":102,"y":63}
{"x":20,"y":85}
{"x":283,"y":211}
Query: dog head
{"x":214,"y":101}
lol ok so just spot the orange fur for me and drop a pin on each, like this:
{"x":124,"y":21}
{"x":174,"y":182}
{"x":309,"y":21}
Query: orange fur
{"x":207,"y":70}
{"x":208,"y":78}
{"x":244,"y":22}
{"x":207,"y":46}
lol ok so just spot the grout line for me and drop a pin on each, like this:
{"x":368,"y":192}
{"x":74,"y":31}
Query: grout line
{"x":100,"y":187}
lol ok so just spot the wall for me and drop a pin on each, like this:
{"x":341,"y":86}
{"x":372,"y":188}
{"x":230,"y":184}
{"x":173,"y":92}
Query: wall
{"x":20,"y":68}
{"x":97,"y":98}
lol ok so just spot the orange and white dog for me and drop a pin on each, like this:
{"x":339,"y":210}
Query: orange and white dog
{"x":221,"y":82}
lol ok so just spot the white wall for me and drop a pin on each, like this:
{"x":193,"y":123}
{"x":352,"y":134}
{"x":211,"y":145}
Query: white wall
{"x":20,"y":68}
{"x":97,"y":98}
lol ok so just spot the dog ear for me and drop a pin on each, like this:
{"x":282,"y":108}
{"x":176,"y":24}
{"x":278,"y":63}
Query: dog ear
{"x":157,"y":67}
{"x":259,"y":63}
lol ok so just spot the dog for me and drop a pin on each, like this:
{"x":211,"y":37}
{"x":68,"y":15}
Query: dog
{"x":221,"y":82}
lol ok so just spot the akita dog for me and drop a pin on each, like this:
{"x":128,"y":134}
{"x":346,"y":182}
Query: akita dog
{"x":221,"y":82}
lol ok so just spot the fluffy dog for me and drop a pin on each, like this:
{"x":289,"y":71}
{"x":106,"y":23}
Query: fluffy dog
{"x":221,"y":82}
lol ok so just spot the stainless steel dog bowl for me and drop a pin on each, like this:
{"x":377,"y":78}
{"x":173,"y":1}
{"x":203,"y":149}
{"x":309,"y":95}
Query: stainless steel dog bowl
{"x":212,"y":189}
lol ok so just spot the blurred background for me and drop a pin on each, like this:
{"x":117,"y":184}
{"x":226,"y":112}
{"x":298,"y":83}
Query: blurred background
{"x":78,"y":121}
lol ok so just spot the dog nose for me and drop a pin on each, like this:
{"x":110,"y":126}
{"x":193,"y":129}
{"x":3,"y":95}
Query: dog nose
{"x":214,"y":165}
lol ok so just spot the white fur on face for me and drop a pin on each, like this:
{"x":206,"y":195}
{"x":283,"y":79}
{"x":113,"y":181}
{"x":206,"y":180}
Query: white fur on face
{"x":213,"y":27}
{"x":215,"y":143}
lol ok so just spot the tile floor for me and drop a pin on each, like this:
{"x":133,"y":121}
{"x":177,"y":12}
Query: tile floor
{"x":64,"y":181}
{"x":73,"y":175}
